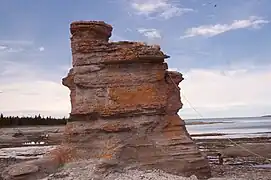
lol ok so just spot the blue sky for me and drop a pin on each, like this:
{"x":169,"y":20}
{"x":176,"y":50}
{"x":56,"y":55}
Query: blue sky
{"x":223,"y":51}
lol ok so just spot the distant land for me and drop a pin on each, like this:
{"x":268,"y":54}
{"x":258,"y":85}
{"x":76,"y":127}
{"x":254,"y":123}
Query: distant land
{"x":266,"y":116}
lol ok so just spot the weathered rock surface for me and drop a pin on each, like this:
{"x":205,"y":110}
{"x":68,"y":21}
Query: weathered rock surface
{"x":125,"y":104}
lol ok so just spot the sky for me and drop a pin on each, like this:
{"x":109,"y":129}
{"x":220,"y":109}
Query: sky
{"x":222,"y":48}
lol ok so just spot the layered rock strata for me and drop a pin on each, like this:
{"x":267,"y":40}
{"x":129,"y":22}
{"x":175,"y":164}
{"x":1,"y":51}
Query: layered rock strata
{"x":125,"y":103}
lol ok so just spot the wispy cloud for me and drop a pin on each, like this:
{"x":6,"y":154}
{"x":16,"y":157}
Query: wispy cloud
{"x":16,"y":46}
{"x":159,"y":8}
{"x":14,"y":50}
{"x":41,"y":49}
{"x":213,"y":30}
{"x":2,"y":47}
{"x":6,"y":49}
{"x":16,"y":42}
{"x":150,"y":33}
{"x":13,"y":46}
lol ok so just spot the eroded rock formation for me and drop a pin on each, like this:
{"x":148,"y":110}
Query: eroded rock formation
{"x":124,"y":110}
{"x":125,"y":104}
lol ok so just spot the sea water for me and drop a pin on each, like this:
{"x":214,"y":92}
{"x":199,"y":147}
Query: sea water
{"x":232,"y":127}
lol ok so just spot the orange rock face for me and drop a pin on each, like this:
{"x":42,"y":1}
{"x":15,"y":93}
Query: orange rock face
{"x":125,"y":104}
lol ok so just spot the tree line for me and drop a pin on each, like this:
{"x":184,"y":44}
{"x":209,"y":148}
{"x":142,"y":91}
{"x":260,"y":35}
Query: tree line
{"x":9,"y":121}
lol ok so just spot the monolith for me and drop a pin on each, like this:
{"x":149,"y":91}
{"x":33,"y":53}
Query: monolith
{"x":124,"y":105}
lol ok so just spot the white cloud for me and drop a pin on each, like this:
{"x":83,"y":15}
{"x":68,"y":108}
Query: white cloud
{"x":160,"y":8}
{"x":150,"y":33}
{"x":10,"y":50}
{"x":7,"y":49}
{"x":2,"y":47}
{"x":41,"y":49}
{"x":27,"y":90}
{"x":14,"y":46}
{"x":17,"y":42}
{"x":14,"y":50}
{"x":39,"y":95}
{"x":128,"y":30}
{"x":213,"y":30}
{"x":217,"y":93}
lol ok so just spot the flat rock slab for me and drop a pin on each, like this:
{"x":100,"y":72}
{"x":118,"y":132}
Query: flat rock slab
{"x":22,"y":169}
{"x":31,"y":129}
{"x":262,"y":149}
{"x":20,"y":136}
{"x":29,"y":152}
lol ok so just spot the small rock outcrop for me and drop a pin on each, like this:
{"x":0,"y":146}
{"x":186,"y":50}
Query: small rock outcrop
{"x":125,"y":103}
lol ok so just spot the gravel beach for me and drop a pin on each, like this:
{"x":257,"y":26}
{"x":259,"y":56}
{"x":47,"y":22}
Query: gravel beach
{"x":238,"y":164}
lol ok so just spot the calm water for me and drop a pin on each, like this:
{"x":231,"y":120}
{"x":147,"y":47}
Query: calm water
{"x":233,"y":127}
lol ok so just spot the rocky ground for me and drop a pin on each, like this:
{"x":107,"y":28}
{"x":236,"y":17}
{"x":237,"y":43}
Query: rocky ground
{"x":238,"y":164}
{"x":84,"y":170}
{"x":81,"y":171}
{"x":240,"y":172}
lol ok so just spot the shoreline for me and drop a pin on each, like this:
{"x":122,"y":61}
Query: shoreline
{"x":237,"y":162}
